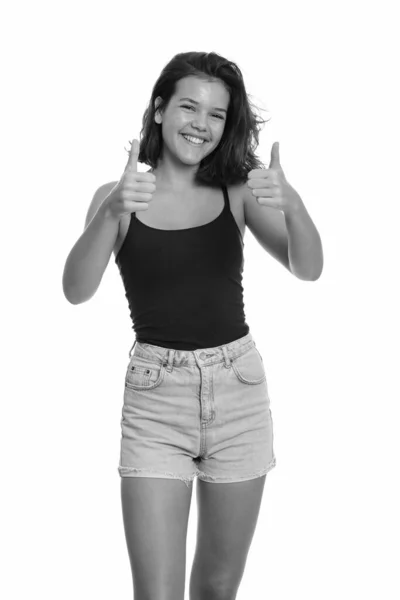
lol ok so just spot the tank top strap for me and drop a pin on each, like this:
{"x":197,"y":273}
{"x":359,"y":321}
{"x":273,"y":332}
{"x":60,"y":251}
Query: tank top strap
{"x":226,"y":199}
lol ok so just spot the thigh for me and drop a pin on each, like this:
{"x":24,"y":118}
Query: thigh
{"x":227,"y":518}
{"x":155,"y":515}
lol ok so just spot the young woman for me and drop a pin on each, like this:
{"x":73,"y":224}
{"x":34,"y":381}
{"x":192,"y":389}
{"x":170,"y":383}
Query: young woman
{"x":196,"y":400}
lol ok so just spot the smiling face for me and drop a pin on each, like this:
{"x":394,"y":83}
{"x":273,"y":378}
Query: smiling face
{"x":198,"y":108}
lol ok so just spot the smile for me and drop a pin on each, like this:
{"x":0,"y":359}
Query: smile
{"x":193,"y":140}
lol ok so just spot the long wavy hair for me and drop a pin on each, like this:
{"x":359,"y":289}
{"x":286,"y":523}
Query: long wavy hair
{"x":234,"y":156}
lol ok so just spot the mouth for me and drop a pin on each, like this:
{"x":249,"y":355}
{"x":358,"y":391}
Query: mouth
{"x":193,"y":143}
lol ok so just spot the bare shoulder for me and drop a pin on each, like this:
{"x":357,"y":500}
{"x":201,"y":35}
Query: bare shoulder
{"x":97,"y":199}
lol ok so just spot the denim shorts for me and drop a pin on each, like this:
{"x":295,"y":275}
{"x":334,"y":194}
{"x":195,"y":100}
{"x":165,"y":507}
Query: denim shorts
{"x":202,"y":413}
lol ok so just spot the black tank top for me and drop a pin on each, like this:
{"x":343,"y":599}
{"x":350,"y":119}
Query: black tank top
{"x":184,"y":286}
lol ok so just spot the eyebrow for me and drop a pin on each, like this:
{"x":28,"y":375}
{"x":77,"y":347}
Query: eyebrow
{"x":195,"y":102}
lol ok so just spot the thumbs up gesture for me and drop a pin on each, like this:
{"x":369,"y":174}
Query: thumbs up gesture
{"x":134,"y":190}
{"x":271,"y":187}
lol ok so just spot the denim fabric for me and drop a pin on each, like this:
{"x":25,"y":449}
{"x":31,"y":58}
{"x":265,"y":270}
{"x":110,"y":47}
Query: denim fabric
{"x":203,"y":413}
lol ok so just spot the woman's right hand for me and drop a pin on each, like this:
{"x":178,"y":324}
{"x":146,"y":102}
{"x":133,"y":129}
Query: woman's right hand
{"x":133,"y":191}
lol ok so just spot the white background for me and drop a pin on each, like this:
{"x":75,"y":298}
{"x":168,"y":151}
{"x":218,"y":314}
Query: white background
{"x":77,"y":77}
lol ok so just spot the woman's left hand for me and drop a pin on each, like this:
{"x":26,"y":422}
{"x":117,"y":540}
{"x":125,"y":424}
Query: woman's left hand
{"x":270,"y":186}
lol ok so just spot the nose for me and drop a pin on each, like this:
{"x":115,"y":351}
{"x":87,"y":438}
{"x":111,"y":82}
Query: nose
{"x":199,"y":124}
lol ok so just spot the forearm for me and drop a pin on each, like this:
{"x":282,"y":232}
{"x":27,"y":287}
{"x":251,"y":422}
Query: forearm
{"x":89,"y":257}
{"x":305,"y":246}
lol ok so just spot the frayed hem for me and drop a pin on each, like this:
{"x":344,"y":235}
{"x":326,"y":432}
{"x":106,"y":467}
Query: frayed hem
{"x":129,"y":472}
{"x":255,"y":475}
{"x":125,"y":472}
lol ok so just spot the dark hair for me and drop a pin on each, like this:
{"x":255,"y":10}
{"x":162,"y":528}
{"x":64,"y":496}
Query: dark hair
{"x":234,"y":156}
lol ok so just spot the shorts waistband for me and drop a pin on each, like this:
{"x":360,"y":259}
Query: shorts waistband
{"x":172,"y":357}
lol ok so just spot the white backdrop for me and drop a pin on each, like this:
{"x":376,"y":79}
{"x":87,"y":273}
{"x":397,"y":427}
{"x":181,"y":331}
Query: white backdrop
{"x":77,"y":77}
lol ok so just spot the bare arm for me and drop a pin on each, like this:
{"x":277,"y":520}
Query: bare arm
{"x":88,"y":259}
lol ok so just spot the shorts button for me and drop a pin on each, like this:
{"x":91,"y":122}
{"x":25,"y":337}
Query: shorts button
{"x":202,"y":355}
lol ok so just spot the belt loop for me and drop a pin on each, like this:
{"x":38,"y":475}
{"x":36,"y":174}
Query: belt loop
{"x":130,"y":351}
{"x":170,"y":360}
{"x":227,"y":359}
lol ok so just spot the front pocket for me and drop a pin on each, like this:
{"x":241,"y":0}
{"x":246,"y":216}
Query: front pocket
{"x":143,"y":375}
{"x":249,"y":367}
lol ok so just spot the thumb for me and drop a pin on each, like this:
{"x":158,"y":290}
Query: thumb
{"x":275,"y":158}
{"x":133,"y":157}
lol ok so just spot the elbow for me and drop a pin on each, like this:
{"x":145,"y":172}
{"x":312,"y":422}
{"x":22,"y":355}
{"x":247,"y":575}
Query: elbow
{"x":74,"y":297}
{"x":71,"y":300}
{"x":312,"y":273}
{"x":70,"y":297}
{"x":316,"y":276}
{"x":69,"y":293}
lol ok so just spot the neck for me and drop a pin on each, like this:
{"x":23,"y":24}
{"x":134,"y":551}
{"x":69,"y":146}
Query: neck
{"x":175,"y":177}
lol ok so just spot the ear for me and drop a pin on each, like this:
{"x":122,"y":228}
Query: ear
{"x":158,"y":115}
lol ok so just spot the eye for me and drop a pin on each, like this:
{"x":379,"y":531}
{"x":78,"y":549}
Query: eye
{"x":189,"y":106}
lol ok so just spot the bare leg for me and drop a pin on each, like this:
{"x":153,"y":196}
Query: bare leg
{"x":227,"y":517}
{"x":155,"y":514}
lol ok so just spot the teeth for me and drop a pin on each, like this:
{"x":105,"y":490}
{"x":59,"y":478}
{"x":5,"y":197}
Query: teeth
{"x":194,"y":140}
